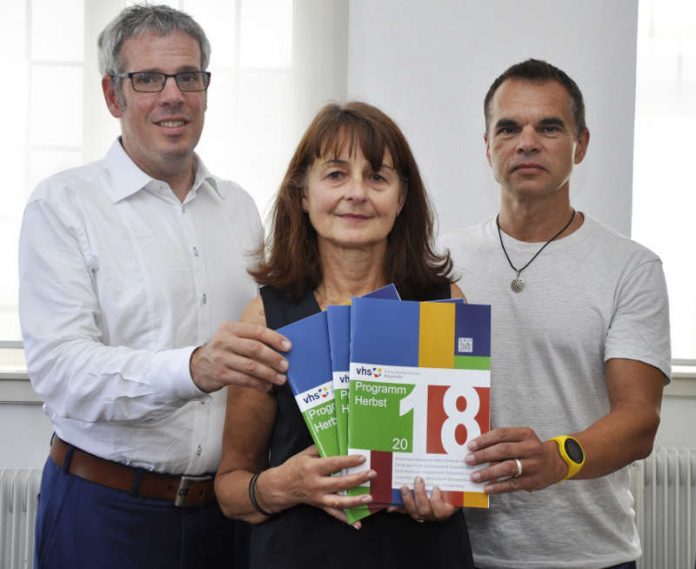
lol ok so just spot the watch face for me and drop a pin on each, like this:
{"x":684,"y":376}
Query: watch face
{"x":574,"y":450}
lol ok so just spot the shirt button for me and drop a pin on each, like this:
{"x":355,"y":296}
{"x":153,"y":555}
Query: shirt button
{"x":204,"y":300}
{"x":199,"y":450}
{"x":195,"y":251}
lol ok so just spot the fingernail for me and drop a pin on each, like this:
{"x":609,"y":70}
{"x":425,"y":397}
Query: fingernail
{"x":471,"y":445}
{"x":404,"y":490}
{"x":362,"y":458}
{"x":371,"y":474}
{"x":469,"y":459}
{"x":284,"y":364}
{"x":357,"y":525}
{"x":419,"y":480}
{"x":366,"y":498}
{"x":476,"y":477}
{"x":280,"y":379}
{"x":286,"y":345}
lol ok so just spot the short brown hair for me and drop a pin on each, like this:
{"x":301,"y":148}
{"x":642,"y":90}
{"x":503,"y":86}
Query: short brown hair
{"x":293,"y":264}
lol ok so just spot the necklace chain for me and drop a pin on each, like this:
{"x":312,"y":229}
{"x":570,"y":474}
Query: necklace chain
{"x":517,"y":283}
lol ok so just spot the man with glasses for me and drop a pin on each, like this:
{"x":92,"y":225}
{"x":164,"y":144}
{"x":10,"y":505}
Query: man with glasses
{"x":132,"y":272}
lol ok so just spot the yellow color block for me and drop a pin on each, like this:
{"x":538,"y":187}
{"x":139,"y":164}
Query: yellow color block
{"x":475,"y":500}
{"x":436,"y":335}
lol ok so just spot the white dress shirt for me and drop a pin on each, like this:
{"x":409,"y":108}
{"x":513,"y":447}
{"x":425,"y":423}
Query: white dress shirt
{"x":119,"y":282}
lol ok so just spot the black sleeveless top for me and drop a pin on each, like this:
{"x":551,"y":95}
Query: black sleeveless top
{"x":305,"y":536}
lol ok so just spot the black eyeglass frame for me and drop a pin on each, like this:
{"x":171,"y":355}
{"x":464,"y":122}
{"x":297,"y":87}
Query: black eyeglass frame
{"x":203,"y":74}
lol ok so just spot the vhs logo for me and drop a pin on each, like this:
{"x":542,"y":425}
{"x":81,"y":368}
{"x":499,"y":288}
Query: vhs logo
{"x":316,"y":395}
{"x":369,"y":372}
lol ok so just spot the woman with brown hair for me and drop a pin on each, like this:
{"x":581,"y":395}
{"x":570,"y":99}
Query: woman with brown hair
{"x":351,"y":215}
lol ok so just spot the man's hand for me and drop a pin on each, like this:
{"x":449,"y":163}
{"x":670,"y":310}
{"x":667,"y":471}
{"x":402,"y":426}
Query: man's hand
{"x":540,"y":461}
{"x":240,"y":354}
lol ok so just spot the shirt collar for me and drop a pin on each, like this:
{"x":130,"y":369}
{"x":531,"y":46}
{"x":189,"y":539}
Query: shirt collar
{"x":127,"y":178}
{"x":204,"y":175}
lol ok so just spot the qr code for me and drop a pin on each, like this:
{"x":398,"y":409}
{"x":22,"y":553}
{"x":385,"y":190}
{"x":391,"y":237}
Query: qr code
{"x":465,"y":345}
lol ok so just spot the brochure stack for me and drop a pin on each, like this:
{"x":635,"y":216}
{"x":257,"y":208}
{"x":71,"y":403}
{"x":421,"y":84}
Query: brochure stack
{"x":405,"y":384}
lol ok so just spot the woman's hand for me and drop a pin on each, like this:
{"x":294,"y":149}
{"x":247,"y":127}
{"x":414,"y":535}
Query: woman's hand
{"x":422,"y":508}
{"x":307,"y":479}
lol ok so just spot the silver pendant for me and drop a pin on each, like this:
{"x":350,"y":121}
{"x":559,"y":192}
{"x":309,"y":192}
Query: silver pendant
{"x":517,"y":284}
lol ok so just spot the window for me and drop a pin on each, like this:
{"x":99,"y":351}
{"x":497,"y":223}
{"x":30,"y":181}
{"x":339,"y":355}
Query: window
{"x":664,"y":202}
{"x":38,"y":138}
{"x":271,"y":72}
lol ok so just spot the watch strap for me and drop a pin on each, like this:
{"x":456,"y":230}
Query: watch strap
{"x":574,"y":466}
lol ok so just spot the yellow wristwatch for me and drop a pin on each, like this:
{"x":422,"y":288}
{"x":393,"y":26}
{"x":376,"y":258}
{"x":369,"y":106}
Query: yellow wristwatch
{"x":572,"y":454}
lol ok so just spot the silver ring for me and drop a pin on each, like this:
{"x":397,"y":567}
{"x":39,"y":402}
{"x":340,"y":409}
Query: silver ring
{"x":518,"y":466}
{"x":419,"y":520}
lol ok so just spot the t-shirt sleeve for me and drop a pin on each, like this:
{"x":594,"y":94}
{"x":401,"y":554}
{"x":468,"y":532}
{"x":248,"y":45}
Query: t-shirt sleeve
{"x":639,"y":329}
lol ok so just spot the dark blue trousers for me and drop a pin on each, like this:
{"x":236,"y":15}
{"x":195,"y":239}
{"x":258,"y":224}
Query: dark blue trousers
{"x":81,"y":524}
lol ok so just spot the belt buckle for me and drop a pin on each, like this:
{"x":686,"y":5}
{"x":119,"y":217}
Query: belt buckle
{"x":184,"y":484}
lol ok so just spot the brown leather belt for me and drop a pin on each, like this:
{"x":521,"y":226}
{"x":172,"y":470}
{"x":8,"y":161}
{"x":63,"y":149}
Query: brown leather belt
{"x":181,"y":490}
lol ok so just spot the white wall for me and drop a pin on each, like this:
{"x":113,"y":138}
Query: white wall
{"x":678,"y":417}
{"x":429,"y":64}
{"x":26,"y":434}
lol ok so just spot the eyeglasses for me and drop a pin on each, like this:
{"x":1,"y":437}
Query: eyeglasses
{"x":154,"y":82}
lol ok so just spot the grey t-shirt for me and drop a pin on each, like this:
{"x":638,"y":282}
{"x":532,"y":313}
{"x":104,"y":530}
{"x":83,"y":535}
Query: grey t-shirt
{"x":589,"y":297}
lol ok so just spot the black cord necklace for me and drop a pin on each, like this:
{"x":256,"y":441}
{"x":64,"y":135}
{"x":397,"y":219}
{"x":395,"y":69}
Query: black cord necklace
{"x":517,"y":283}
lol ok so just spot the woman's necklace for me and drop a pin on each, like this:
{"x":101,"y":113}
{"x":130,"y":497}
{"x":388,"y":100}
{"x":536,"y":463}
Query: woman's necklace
{"x":517,"y":283}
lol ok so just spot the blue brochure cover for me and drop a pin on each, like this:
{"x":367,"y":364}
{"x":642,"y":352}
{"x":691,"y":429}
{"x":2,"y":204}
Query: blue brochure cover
{"x":419,"y":390}
{"x":338,"y":320}
{"x":310,"y":376}
{"x":310,"y":379}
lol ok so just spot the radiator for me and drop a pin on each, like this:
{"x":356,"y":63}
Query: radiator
{"x":19,"y":490}
{"x":664,"y":486}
